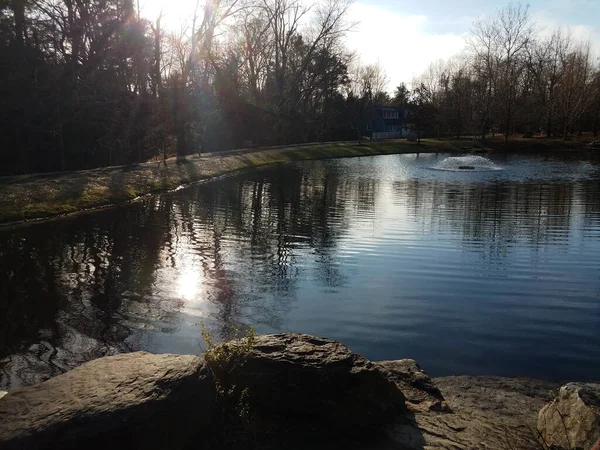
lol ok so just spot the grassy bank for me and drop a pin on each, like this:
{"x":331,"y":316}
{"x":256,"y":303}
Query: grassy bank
{"x":518,"y":144}
{"x":41,"y":196}
{"x":46,"y":195}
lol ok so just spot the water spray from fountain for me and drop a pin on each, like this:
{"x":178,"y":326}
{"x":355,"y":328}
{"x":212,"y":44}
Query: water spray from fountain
{"x":471,"y":163}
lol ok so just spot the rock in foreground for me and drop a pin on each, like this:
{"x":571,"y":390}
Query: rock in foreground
{"x":302,"y":378}
{"x":572,"y":419}
{"x":301,"y":392}
{"x":487,"y":413}
{"x":422,"y":395}
{"x":135,"y":400}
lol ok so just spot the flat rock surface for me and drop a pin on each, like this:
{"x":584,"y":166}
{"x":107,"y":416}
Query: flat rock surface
{"x":487,"y":413}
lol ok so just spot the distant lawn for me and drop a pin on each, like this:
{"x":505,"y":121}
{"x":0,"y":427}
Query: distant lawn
{"x":517,"y":143}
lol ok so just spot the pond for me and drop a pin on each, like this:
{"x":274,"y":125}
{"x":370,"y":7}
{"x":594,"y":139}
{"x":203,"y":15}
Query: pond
{"x":492,"y":272}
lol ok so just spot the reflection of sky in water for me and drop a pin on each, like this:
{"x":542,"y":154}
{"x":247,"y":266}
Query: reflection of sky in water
{"x":486,"y":272}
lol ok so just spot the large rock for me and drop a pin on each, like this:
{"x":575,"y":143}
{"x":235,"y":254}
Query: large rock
{"x":489,"y":413}
{"x":306,"y":379}
{"x":572,"y":419}
{"x":135,"y":400}
{"x":419,"y":389}
{"x":302,"y":392}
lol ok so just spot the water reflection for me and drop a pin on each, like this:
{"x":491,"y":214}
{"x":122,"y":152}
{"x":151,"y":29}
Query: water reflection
{"x":479,"y":273}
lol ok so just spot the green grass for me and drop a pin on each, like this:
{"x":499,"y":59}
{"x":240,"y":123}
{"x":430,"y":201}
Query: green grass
{"x":48,"y":195}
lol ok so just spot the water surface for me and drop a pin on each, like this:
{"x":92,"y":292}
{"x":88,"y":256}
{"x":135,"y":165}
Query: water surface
{"x":489,"y":272}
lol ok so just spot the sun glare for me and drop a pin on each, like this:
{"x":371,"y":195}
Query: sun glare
{"x":188,"y":283}
{"x":176,"y":14}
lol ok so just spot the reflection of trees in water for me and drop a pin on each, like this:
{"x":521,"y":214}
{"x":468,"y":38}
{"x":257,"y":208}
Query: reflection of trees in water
{"x":274,"y":216}
{"x":93,"y":285}
{"x":491,"y":217}
{"x":589,"y":203}
{"x":65,"y":291}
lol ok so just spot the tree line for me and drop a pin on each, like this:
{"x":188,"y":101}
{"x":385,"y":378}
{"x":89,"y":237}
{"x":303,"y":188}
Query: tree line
{"x":92,"y":83}
{"x":512,"y":78}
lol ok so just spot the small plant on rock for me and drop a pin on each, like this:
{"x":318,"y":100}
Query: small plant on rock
{"x":233,"y":402}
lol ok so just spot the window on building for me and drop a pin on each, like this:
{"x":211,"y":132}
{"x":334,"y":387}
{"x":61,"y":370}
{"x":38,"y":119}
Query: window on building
{"x":368,"y":127}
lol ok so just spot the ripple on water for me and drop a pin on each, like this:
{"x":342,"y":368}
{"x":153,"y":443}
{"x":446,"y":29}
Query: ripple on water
{"x":494,"y":273}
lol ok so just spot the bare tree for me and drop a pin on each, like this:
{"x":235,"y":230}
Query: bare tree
{"x":483,"y":48}
{"x":574,"y":86}
{"x":513,"y":80}
{"x":369,"y":80}
{"x":158,"y":54}
{"x":256,"y":47}
{"x":514,"y":35}
{"x":548,"y":69}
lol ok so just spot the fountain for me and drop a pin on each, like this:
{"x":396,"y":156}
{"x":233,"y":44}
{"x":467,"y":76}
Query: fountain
{"x":471,"y":163}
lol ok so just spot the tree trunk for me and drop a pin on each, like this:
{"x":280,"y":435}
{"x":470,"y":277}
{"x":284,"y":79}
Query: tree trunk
{"x":180,"y":118}
{"x":61,"y":146}
{"x":458,"y":124}
{"x":550,"y":110}
{"x":18,"y":9}
{"x":508,"y":105}
{"x":181,"y":139}
{"x":507,"y":126}
{"x":597,"y":118}
{"x":157,"y":85}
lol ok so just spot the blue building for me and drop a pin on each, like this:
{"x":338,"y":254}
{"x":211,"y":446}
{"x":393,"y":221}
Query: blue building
{"x":386,"y":122}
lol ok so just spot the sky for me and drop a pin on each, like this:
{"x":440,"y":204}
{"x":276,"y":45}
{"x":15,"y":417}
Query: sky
{"x":405,"y":36}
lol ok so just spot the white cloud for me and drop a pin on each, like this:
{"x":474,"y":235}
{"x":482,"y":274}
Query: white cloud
{"x":399,"y":43}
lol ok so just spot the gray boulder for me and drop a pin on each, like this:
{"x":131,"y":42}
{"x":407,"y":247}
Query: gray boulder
{"x":135,"y":400}
{"x":572,"y":419}
{"x":489,"y":413}
{"x":300,"y":378}
{"x":419,"y":389}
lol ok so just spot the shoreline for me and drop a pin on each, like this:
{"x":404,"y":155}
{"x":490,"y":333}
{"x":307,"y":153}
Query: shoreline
{"x":38,"y":197}
{"x":276,"y":389}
